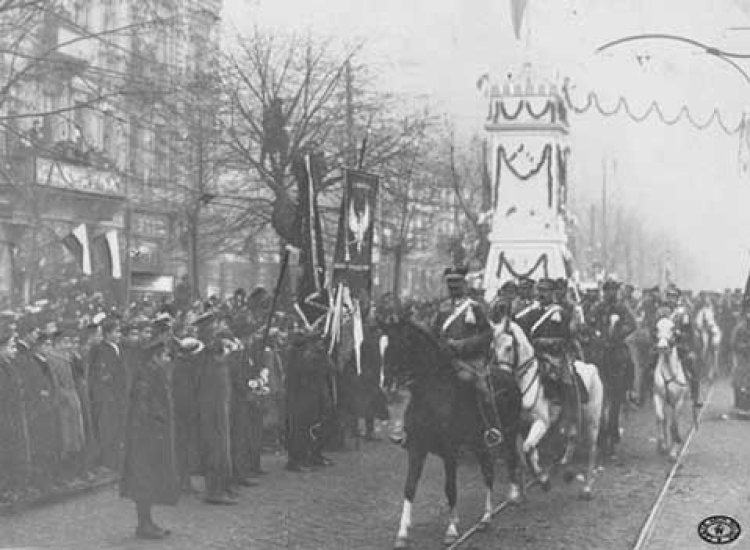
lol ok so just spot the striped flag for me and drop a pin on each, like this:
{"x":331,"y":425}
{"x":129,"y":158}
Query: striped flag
{"x":77,"y":242}
{"x":106,"y":252}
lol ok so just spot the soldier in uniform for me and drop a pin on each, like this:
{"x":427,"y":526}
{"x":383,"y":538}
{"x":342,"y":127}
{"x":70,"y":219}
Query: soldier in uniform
{"x":550,"y":334}
{"x":462,"y":325}
{"x":613,"y":323}
{"x":685,"y":335}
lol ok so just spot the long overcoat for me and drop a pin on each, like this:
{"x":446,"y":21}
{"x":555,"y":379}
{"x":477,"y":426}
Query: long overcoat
{"x":69,"y":412}
{"x":44,"y":440}
{"x":14,"y":446}
{"x":214,"y":394}
{"x":149,"y":472}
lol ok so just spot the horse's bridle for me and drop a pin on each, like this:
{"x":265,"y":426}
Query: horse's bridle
{"x":517,"y":368}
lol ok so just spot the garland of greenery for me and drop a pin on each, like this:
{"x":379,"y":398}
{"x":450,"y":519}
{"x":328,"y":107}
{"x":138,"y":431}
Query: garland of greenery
{"x":514,"y":116}
{"x":593,"y":101}
{"x":502,"y":157}
{"x":543,"y":260}
{"x":526,"y":105}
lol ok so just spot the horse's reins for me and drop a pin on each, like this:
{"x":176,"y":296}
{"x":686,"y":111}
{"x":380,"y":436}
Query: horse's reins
{"x":668,"y":381}
{"x":520,"y":369}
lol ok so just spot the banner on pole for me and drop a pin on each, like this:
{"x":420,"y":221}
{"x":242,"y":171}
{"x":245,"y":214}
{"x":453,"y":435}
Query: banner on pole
{"x":354,"y":242}
{"x":312,"y":299}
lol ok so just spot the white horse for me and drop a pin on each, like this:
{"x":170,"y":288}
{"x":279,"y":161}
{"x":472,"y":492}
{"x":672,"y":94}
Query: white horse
{"x":513,"y":350}
{"x":710,"y":339}
{"x":670,"y":389}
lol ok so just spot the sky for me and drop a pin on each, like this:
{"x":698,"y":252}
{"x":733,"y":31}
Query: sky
{"x":685,"y":183}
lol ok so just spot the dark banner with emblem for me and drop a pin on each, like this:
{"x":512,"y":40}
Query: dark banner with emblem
{"x":308,"y":171}
{"x":353,"y":258}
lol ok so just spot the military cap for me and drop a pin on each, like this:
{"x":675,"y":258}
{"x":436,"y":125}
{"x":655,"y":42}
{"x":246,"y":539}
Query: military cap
{"x":672,"y":290}
{"x":546,"y":284}
{"x":561,"y":284}
{"x":526,"y":282}
{"x":611,"y":285}
{"x":509,"y":287}
{"x":456,"y":273}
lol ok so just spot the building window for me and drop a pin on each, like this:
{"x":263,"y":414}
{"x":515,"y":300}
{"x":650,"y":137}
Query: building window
{"x":81,"y":12}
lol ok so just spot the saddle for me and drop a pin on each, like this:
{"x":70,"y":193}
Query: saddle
{"x":557,"y":373}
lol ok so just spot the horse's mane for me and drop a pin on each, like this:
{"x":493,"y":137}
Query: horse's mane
{"x":426,"y":339}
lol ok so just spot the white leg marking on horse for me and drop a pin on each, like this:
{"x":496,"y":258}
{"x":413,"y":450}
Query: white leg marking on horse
{"x":487,"y":507}
{"x":452,"y":530}
{"x":514,"y":495}
{"x":403,"y":530}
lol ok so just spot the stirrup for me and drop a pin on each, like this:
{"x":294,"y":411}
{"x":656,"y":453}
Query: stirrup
{"x":493,"y":437}
{"x":399,"y":439}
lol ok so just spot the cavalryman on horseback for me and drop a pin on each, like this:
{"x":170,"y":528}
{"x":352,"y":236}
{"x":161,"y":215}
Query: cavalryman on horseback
{"x":681,"y":316}
{"x":462,"y":325}
{"x":549,"y":331}
{"x":613,"y":322}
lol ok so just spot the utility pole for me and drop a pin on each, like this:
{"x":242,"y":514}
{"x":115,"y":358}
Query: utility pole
{"x":351,"y":144}
{"x":605,"y":249}
{"x":592,"y":239}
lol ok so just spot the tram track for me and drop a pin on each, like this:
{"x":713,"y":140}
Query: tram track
{"x":647,"y":529}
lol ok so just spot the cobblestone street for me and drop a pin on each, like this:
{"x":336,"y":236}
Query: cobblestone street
{"x":713,"y":479}
{"x":356,"y":505}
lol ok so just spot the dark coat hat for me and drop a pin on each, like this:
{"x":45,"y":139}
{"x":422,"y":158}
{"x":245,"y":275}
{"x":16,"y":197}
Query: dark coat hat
{"x":611,"y":285}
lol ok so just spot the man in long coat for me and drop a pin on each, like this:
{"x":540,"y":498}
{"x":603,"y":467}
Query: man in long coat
{"x":149,"y":473}
{"x":40,"y":410}
{"x":14,"y":449}
{"x":308,"y":399}
{"x":214,"y":392}
{"x":65,"y":397}
{"x":107,"y":387}
{"x":187,"y":366}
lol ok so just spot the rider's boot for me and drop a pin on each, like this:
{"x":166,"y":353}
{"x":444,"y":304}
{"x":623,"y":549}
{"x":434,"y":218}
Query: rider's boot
{"x":396,"y":432}
{"x":694,"y":380}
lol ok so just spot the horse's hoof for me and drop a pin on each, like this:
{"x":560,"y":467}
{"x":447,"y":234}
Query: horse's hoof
{"x":450,"y":540}
{"x":546,"y":484}
{"x":515,"y":496}
{"x":402,"y":543}
{"x":586,"y":494}
{"x":569,"y":476}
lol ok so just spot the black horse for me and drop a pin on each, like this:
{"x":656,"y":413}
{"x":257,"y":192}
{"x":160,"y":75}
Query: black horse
{"x":444,"y":414}
{"x":616,"y":372}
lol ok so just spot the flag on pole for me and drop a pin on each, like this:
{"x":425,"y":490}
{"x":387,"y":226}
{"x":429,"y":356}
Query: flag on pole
{"x":312,"y":297}
{"x":77,"y":242}
{"x":106,"y":252}
{"x":518,"y":9}
{"x":352,"y":263}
